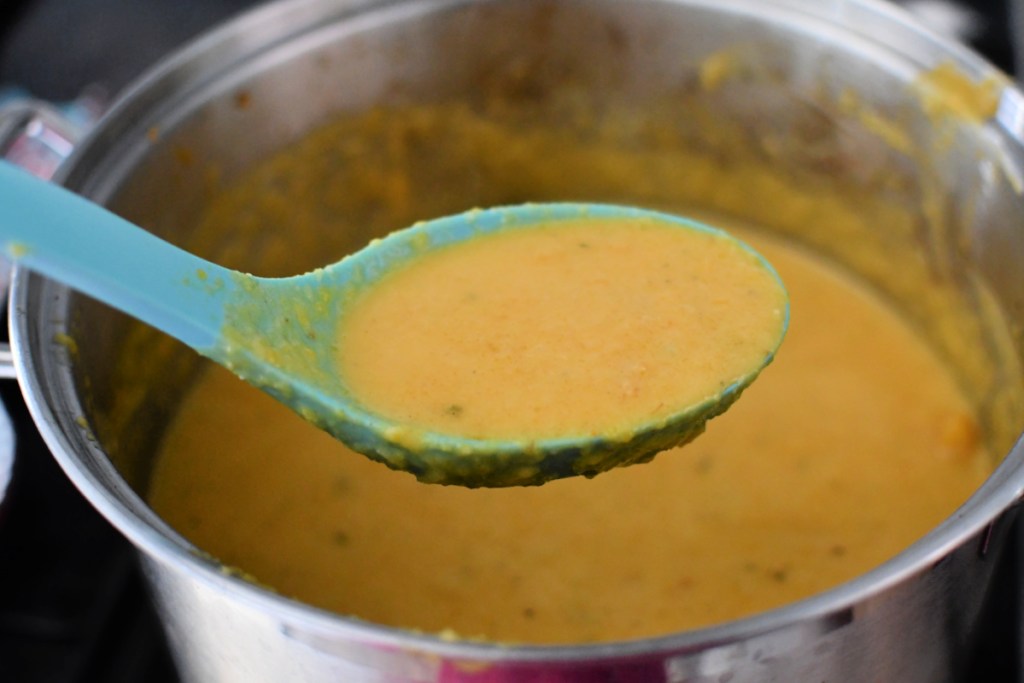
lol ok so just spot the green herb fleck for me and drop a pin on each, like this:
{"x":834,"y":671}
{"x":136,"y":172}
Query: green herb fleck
{"x":703,"y":464}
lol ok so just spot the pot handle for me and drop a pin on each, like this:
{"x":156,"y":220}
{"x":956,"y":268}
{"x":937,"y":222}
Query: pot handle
{"x":38,"y":137}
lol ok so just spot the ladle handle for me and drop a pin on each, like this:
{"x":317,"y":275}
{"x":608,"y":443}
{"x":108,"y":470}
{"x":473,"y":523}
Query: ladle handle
{"x":38,"y":137}
{"x":57,"y":233}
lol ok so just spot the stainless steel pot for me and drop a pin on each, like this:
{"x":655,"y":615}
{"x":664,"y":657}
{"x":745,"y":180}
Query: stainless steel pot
{"x":264,"y":81}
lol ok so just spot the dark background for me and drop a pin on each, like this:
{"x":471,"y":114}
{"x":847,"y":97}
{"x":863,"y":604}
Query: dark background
{"x":56,"y":47}
{"x":72,"y":605}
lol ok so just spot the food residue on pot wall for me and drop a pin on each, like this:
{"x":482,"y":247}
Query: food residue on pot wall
{"x":946,"y":91}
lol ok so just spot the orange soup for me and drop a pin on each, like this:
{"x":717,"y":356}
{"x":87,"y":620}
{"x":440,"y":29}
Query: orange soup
{"x":851,"y":445}
{"x":573,"y":327}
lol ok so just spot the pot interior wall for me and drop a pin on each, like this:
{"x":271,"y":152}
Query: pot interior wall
{"x":414,"y":110}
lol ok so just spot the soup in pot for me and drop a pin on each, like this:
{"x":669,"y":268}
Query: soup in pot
{"x":851,"y":445}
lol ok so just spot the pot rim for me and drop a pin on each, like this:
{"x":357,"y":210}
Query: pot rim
{"x":94,"y":474}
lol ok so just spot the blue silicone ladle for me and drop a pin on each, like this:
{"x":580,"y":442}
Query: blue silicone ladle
{"x":276,"y":333}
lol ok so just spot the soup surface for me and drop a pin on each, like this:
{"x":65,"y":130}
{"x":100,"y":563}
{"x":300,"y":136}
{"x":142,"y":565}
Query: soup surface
{"x":575,"y":327}
{"x":851,"y":445}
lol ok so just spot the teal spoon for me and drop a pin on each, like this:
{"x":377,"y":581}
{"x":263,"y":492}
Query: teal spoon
{"x":277,"y":333}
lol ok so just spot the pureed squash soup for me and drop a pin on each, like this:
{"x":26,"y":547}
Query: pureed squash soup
{"x":584,"y":326}
{"x":850,"y":446}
